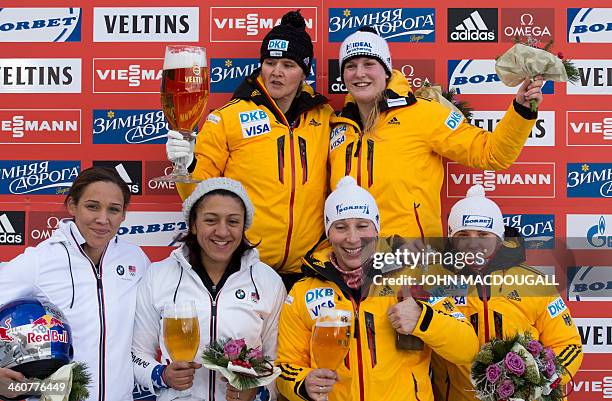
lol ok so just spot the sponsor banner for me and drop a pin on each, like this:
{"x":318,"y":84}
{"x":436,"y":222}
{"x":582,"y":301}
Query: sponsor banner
{"x":393,"y":24}
{"x":417,"y":72}
{"x":591,"y":385}
{"x":153,"y":228}
{"x":127,"y":75}
{"x":42,"y":224}
{"x":478,"y":76}
{"x":37,"y":126}
{"x":595,"y":78}
{"x":155,"y":169}
{"x":146,"y":24}
{"x":40,"y":75}
{"x":126,"y":127}
{"x":12,"y":228}
{"x":40,"y":24}
{"x":248,"y":24}
{"x":542,"y":134}
{"x":589,"y":283}
{"x":525,"y":24}
{"x":129,"y":171}
{"x":537,"y":229}
{"x":596,"y":335}
{"x":589,"y":231}
{"x":589,"y":25}
{"x":227,"y":73}
{"x":521,"y":180}
{"x":589,"y":180}
{"x":472,"y":25}
{"x":37,"y":177}
{"x":589,"y":128}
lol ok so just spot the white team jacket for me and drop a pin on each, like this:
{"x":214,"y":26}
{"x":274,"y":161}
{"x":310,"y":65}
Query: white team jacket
{"x":102,"y":312}
{"x":236,"y":313}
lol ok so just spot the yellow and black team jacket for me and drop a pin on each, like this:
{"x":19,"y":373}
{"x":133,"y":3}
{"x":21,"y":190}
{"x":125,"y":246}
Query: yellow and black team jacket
{"x":400,"y":161}
{"x":502,"y":312}
{"x":283,"y":166}
{"x":374,"y":369}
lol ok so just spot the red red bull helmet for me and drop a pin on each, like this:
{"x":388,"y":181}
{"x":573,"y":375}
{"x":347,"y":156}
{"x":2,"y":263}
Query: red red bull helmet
{"x":35,"y":338}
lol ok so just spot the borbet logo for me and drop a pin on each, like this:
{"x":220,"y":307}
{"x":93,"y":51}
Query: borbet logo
{"x":472,"y":25}
{"x":589,"y":283}
{"x":542,"y":134}
{"x":595,"y":78}
{"x":34,"y":126}
{"x":243,"y":24}
{"x":417,"y":72}
{"x":41,"y":225}
{"x":40,"y":25}
{"x":119,"y":75}
{"x":589,"y":25}
{"x":153,"y":228}
{"x":12,"y":228}
{"x":40,"y":75}
{"x":534,"y":23}
{"x":521,"y":180}
{"x":589,"y":128}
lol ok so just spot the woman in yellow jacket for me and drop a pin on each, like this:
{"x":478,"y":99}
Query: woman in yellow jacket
{"x":475,"y":225}
{"x":273,"y":137}
{"x":337,"y":276}
{"x":393,"y":143}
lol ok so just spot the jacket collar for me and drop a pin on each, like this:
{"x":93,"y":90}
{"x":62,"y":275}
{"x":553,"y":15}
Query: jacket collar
{"x":181,"y":255}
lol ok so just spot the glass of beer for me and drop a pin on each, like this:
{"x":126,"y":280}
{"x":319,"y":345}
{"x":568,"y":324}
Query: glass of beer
{"x":181,"y":331}
{"x":184,"y":94}
{"x":330,"y":337}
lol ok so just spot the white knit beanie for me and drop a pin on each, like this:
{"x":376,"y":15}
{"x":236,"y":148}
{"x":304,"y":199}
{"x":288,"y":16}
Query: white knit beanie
{"x":476,"y":212}
{"x":348,"y":201}
{"x":227,"y":184}
{"x":364,"y":43}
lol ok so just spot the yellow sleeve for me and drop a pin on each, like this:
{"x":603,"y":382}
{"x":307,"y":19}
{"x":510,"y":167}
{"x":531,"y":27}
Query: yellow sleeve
{"x":558,"y":331}
{"x":293,"y":349}
{"x":459,"y":141}
{"x":211,"y":153}
{"x":446,"y":331}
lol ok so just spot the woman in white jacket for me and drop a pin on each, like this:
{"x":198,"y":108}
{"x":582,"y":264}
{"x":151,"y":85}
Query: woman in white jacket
{"x":236,"y":295}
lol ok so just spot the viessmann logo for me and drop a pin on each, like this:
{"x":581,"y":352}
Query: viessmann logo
{"x":33,"y":126}
{"x":127,"y":75}
{"x":472,"y":24}
{"x":591,"y":385}
{"x":40,"y":25}
{"x":40,"y":75}
{"x":589,"y":25}
{"x":589,"y":128}
{"x":129,"y":127}
{"x":246,"y":24}
{"x":521,"y":180}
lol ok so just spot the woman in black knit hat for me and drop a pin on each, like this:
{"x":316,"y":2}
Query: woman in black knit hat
{"x":273,"y":136}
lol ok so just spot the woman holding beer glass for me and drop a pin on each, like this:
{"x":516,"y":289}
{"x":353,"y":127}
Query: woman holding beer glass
{"x":234,"y":295}
{"x":337,"y":277}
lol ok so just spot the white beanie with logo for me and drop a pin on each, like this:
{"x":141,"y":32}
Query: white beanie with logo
{"x":350,"y":201}
{"x":476,"y":212}
{"x":365,"y":43}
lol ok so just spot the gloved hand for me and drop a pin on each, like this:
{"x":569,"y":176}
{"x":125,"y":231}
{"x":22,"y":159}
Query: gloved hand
{"x":177,"y":147}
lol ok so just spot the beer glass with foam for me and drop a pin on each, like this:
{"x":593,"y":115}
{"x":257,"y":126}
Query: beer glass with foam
{"x":330,"y":337}
{"x":184,"y":94}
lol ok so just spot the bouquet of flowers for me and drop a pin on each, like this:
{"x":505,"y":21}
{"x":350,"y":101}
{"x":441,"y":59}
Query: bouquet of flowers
{"x":242,"y":366}
{"x":517,"y":369}
{"x":445,"y":98}
{"x":68,"y":383}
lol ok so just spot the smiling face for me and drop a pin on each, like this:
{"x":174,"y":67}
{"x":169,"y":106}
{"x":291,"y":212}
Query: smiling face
{"x":476,"y":241}
{"x":346,"y":237}
{"x":365,"y":79}
{"x":282,"y":77}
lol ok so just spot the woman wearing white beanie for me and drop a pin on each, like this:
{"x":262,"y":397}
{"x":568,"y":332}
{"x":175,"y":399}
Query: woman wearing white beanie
{"x":475,"y":224}
{"x":339,"y":275}
{"x":393,"y":143}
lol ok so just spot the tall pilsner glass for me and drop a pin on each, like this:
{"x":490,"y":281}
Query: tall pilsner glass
{"x":184,"y":94}
{"x":330,"y":337}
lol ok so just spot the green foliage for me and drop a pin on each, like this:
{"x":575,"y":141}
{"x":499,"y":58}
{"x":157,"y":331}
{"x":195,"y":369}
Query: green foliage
{"x":80,"y":380}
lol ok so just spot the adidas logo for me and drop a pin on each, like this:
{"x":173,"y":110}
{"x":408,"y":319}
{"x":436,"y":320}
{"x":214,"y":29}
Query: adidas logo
{"x":120,"y":169}
{"x":386,"y":291}
{"x":394,"y":121}
{"x":514,"y":295}
{"x":473,"y":29}
{"x":8,"y":234}
{"x":314,"y":123}
{"x":5,"y":225}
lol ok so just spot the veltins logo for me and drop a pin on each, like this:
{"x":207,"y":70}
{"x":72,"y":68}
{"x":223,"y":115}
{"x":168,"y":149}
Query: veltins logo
{"x":227,"y":73}
{"x":591,"y":385}
{"x":589,"y":25}
{"x":589,"y":180}
{"x":478,"y":76}
{"x":589,"y":231}
{"x":146,"y":24}
{"x":40,"y":75}
{"x":157,"y":169}
{"x":153,"y":228}
{"x":595,"y":78}
{"x":40,"y":25}
{"x":589,"y":128}
{"x":537,"y":229}
{"x":37,"y":177}
{"x":596,"y":334}
{"x":129,"y":171}
{"x":521,"y":180}
{"x":12,"y":228}
{"x":542,"y":134}
{"x":42,"y":224}
{"x":393,"y":24}
{"x":589,"y":283}
{"x":129,"y":126}
{"x":472,"y":25}
{"x":34,"y":126}
{"x":127,"y":75}
{"x":533,"y":23}
{"x":245,"y":24}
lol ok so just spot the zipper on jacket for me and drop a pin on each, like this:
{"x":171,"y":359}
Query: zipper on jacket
{"x":213,"y":337}
{"x":359,"y":354}
{"x":291,"y":198}
{"x":303,"y":159}
{"x":280,"y":153}
{"x":348,"y":159}
{"x":485,"y":305}
{"x":416,"y":387}
{"x":370,"y":162}
{"x":448,"y":385}
{"x":358,"y":155}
